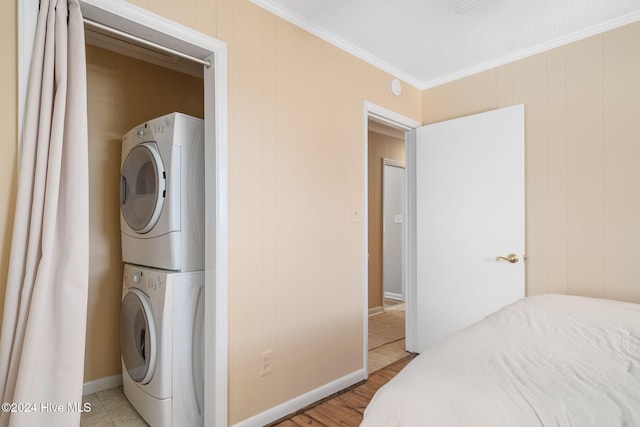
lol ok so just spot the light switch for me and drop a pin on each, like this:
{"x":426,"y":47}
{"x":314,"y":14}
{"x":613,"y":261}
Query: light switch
{"x":397,"y":219}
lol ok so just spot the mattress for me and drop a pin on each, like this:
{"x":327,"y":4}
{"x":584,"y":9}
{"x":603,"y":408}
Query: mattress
{"x":549,"y":360}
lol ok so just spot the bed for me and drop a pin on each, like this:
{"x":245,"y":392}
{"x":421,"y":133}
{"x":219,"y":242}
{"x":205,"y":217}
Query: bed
{"x":548,"y":360}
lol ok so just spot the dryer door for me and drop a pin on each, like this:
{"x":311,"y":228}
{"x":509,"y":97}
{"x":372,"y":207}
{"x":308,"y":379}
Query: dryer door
{"x":138,"y":342}
{"x":142,"y":187}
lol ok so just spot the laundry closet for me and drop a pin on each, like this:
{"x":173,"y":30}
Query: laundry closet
{"x":122,"y":92}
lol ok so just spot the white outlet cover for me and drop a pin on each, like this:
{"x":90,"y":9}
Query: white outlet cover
{"x":355,"y":214}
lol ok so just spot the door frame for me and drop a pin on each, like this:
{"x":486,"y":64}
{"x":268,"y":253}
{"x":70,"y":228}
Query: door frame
{"x":130,"y":18}
{"x":407,"y":124}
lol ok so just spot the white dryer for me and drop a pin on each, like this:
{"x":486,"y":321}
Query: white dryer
{"x":162,"y":193}
{"x":161,"y":341}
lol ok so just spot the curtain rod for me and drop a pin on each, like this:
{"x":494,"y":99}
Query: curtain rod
{"x":147,"y":43}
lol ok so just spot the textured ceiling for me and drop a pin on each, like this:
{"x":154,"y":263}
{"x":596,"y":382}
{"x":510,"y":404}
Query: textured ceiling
{"x":428,"y":42}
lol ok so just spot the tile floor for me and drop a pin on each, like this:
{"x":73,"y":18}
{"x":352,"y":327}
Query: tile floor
{"x":390,"y":352}
{"x":385,"y":355}
{"x":111,"y":408}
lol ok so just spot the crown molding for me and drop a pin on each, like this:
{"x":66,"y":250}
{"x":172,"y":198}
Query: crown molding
{"x":555,"y":43}
{"x":293,"y":18}
{"x":290,"y":16}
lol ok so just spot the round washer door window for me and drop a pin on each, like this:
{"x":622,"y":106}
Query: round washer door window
{"x":138,"y":342}
{"x":142,"y":187}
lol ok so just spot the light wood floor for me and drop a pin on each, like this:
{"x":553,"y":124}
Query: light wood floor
{"x":386,"y":357}
{"x":347,"y":407}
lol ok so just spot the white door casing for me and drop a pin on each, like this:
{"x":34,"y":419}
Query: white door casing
{"x":469,"y":195}
{"x":402,"y":122}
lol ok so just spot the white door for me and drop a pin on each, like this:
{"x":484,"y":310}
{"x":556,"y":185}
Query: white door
{"x":393,"y":190}
{"x":469,"y":211}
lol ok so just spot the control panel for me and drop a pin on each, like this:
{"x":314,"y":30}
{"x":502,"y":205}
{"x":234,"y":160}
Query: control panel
{"x":146,"y":280}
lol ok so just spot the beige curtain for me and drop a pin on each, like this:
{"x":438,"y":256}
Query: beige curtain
{"x":44,"y":318}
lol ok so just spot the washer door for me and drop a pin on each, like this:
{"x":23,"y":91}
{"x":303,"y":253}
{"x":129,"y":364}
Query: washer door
{"x":138,"y":342}
{"x":142,"y":187}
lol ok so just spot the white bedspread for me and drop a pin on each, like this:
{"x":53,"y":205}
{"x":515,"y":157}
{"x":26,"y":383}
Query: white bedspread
{"x":550,"y":360}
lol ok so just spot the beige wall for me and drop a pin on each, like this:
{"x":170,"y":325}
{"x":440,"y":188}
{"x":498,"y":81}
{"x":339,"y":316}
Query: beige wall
{"x":380,"y":147}
{"x":296,"y":169}
{"x":582,"y":158}
{"x":8,"y":123}
{"x":121,"y":93}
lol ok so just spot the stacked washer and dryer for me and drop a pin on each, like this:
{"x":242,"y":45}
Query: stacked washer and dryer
{"x":162,"y":230}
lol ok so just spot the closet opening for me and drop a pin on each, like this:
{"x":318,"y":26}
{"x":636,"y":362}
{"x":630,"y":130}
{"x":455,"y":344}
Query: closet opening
{"x":113,"y":109}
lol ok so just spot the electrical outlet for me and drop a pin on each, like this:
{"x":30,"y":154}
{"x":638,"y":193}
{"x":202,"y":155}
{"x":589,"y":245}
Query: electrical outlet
{"x":355,"y":214}
{"x":266,"y":363}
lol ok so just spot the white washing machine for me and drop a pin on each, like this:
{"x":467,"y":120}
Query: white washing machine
{"x":162,"y":193}
{"x":162,"y":345}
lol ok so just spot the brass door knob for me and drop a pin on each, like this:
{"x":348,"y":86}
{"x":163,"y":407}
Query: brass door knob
{"x":512,"y":258}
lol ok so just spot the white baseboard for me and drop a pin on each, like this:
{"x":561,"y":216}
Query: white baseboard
{"x":393,"y":296}
{"x":100,"y":384}
{"x":375,"y":310}
{"x":304,"y":400}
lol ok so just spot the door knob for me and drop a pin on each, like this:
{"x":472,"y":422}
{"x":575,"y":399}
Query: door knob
{"x":512,"y":258}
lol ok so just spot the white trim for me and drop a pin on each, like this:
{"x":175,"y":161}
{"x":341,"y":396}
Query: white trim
{"x":393,"y":296}
{"x":217,"y":236}
{"x":398,"y":121}
{"x":295,"y":404}
{"x":375,"y":310}
{"x":134,"y":20}
{"x":290,"y":16}
{"x":388,"y":117}
{"x":392,"y":162}
{"x":140,"y":22}
{"x":101,"y":384}
{"x":552,"y":44}
{"x":411,"y":288}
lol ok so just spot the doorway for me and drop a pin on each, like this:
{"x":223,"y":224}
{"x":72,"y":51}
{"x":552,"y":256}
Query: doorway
{"x":386,"y":308}
{"x":385,"y":311}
